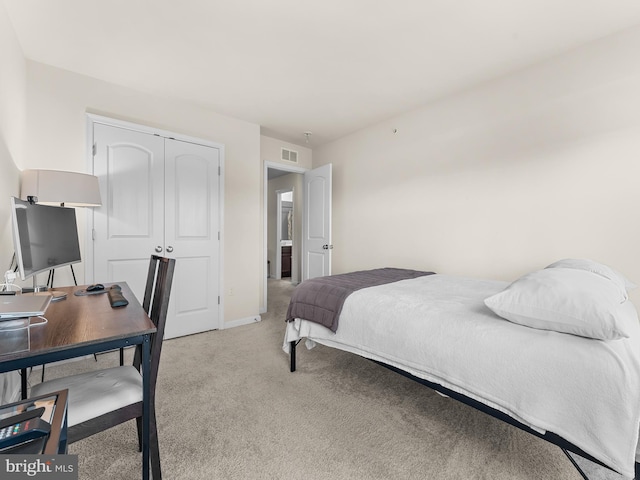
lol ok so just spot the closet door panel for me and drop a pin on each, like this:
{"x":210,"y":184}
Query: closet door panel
{"x":129,"y":191}
{"x":191,"y":235}
{"x":195,"y":298}
{"x":192,"y":206}
{"x":130,"y":223}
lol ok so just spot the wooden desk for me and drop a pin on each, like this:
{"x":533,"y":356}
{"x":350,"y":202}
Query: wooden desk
{"x":84,"y":325}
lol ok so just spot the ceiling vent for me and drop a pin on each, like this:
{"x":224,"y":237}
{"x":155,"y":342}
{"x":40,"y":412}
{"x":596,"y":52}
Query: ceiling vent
{"x":289,"y":155}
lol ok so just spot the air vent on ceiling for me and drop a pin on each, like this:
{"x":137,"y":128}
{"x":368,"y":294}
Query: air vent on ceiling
{"x":289,"y":155}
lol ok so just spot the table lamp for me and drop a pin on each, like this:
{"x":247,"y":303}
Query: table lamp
{"x":60,"y":188}
{"x":56,"y":187}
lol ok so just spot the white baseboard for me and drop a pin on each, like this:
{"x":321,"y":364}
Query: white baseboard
{"x":242,"y":321}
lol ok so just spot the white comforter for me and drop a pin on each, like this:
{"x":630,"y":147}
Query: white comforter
{"x":438,"y":328}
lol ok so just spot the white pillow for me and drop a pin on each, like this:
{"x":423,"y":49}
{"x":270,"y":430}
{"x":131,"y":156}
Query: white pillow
{"x":565,"y":300}
{"x":597,"y":268}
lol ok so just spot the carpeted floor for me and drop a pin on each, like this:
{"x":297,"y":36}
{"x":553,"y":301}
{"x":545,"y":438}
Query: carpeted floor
{"x":228,"y":408}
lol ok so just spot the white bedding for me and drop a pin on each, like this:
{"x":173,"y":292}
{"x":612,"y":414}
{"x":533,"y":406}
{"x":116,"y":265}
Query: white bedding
{"x":438,"y":328}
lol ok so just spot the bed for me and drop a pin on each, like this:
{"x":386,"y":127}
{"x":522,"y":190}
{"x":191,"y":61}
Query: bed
{"x":569,"y":333}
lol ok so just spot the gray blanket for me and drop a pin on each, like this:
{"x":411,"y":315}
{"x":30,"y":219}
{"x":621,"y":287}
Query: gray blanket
{"x":320,"y":299}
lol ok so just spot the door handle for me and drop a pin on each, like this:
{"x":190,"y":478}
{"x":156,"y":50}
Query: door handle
{"x":158,"y":249}
{"x":327,"y":247}
{"x":169,"y":249}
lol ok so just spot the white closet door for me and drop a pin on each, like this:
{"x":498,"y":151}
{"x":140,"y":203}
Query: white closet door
{"x":191,"y":235}
{"x":160,"y":196}
{"x":130,"y":223}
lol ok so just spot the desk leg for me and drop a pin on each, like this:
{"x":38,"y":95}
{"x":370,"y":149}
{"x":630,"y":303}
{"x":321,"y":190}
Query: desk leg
{"x":23,"y":383}
{"x":146,"y":404}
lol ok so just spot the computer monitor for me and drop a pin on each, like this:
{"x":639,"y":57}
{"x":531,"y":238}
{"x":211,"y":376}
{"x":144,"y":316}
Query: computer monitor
{"x":44,"y":237}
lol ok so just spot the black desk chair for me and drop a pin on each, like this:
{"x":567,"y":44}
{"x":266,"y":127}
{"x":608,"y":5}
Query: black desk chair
{"x":102,"y":399}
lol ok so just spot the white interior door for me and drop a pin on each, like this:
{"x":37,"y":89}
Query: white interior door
{"x":129,"y":225}
{"x":317,"y":223}
{"x":160,"y":196}
{"x":191,"y":235}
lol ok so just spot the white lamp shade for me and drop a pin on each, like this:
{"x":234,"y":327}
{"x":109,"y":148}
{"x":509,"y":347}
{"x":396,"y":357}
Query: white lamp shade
{"x":55,"y":187}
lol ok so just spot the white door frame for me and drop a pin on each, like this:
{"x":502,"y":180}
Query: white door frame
{"x":265,"y":238}
{"x":88,"y":250}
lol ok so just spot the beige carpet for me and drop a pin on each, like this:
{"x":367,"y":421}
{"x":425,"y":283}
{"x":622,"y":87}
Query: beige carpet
{"x":228,"y":408}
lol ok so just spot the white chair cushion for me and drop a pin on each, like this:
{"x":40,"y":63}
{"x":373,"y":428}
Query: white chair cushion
{"x":92,"y":394}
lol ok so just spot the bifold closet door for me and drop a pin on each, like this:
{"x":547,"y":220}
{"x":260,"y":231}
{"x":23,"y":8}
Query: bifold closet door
{"x":160,"y":196}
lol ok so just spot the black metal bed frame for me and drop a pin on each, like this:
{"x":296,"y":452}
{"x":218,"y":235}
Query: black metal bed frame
{"x":550,"y":437}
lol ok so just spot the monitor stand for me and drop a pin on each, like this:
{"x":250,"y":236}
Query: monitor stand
{"x":56,"y":296}
{"x":44,"y":290}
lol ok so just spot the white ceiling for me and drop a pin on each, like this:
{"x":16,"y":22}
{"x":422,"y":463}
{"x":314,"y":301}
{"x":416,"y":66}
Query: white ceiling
{"x":326,"y":66}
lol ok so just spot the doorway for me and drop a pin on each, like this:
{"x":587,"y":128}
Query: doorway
{"x":285,"y":226}
{"x":311,"y":250}
{"x":279,"y":181}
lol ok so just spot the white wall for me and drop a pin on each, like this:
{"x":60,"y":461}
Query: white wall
{"x":12,"y":135}
{"x":503,"y":178}
{"x":270,"y":149}
{"x":12,"y":129}
{"x":57,"y":103}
